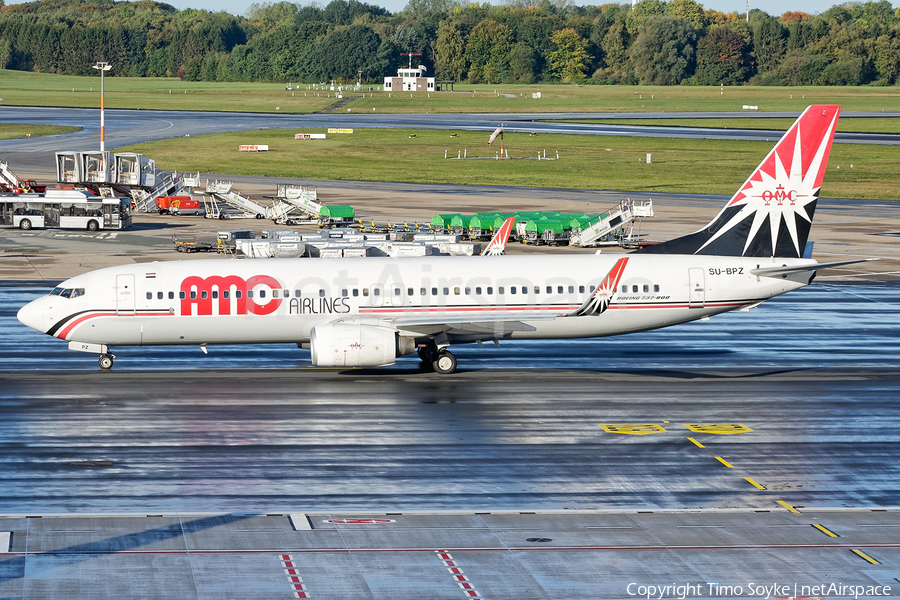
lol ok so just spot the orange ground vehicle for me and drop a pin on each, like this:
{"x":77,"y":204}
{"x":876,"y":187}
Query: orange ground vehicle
{"x":174,"y":205}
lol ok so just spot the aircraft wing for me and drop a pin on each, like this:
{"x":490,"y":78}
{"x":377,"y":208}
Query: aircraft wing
{"x":496,"y":323}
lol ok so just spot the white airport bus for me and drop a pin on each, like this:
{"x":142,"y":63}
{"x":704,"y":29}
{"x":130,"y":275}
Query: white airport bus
{"x":65,"y":209}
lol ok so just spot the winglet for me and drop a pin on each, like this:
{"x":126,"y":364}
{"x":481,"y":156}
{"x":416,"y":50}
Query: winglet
{"x":602,"y":296}
{"x":498,"y":242}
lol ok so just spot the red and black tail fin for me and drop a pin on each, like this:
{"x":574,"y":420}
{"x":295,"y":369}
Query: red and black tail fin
{"x":498,"y":243}
{"x":772,"y":212}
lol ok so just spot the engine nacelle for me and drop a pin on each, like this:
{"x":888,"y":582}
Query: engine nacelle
{"x":356,"y":345}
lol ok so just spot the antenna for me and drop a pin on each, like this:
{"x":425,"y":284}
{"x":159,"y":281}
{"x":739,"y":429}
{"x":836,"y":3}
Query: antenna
{"x":411,"y":54}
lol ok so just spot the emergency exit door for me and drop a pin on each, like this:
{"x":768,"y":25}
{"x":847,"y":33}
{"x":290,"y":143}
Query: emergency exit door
{"x":698,"y":289}
{"x":125,"y":300}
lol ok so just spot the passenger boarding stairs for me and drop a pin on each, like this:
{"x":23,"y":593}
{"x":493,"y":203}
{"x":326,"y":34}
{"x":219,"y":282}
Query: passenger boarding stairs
{"x":7,"y":176}
{"x":619,"y":216}
{"x":302,"y":198}
{"x":167,"y":184}
{"x":222,"y":191}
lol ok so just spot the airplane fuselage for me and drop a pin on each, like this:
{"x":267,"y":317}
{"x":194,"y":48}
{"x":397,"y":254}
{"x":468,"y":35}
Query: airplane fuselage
{"x":281,"y":300}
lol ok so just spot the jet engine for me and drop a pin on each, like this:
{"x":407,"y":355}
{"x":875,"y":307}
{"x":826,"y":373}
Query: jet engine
{"x":356,"y":345}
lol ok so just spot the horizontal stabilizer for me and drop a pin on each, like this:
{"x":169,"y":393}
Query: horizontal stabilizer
{"x":787,"y":270}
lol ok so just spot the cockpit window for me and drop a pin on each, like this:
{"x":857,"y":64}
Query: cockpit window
{"x":67,"y":292}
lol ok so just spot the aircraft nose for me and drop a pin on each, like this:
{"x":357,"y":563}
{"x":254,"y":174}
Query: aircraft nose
{"x":32,"y":315}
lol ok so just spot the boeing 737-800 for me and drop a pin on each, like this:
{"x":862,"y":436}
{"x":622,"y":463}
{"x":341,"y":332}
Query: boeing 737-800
{"x":360,"y":312}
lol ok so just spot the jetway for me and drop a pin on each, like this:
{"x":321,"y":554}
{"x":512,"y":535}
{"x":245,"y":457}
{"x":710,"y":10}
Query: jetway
{"x":619,"y":216}
{"x":123,"y":173}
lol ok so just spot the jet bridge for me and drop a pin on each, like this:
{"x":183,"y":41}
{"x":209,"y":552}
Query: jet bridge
{"x":618,"y":216}
{"x":120,"y":174}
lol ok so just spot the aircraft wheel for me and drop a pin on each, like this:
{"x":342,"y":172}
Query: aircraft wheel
{"x":428,"y":354}
{"x":445,"y":363}
{"x":105,"y":362}
{"x":25,"y":224}
{"x":93,"y":225}
{"x":221,"y":216}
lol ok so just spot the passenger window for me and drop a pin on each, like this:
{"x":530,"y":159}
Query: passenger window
{"x":344,"y":293}
{"x":423,"y":292}
{"x":537,"y":289}
{"x":634,"y":289}
{"x":159,"y":295}
{"x":376,"y":291}
{"x":365,"y":291}
{"x":593,"y":287}
{"x":149,"y":295}
{"x":226,"y":294}
{"x":656,"y":288}
{"x":171,"y":295}
{"x":434,"y":291}
{"x":580,"y":289}
{"x":355,"y":292}
{"x":490,"y":291}
{"x":524,"y":289}
{"x":287,"y":293}
{"x":181,"y":295}
{"x":409,"y":291}
{"x":512,"y":289}
{"x":215,"y":293}
{"x":193,"y":295}
{"x":321,"y":293}
{"x":468,"y":291}
{"x":456,"y":291}
{"x":296,"y":294}
{"x":571,"y":289}
{"x":262,"y":293}
{"x":239,"y":293}
{"x":274,"y":294}
{"x":478,"y":290}
{"x":446,"y":291}
{"x":500,"y":289}
{"x":203,"y":295}
{"x":396,"y":291}
{"x":646,"y":288}
{"x":549,"y":289}
{"x":250,"y":293}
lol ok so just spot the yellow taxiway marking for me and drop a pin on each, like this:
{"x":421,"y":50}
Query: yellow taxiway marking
{"x":825,"y":530}
{"x":788,"y":506}
{"x":724,"y":462}
{"x":761,"y":487}
{"x":632,"y":428}
{"x":719,"y":428}
{"x":696,"y":443}
{"x":864,"y":556}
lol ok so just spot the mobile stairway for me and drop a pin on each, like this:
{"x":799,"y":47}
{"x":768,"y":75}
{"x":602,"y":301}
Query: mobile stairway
{"x":617,"y":217}
{"x":222,"y":193}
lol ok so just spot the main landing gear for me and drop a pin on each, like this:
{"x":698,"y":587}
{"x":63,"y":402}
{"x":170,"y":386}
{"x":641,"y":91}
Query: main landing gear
{"x":106,"y":361}
{"x":441,"y":360}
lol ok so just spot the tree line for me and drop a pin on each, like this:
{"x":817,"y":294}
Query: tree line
{"x":675,"y":42}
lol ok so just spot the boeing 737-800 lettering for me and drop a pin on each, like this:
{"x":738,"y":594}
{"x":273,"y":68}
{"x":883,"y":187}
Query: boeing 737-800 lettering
{"x":367,"y":312}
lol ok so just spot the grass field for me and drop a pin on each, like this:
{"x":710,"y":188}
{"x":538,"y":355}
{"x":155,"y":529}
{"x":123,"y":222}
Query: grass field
{"x":14,"y":132}
{"x":43,"y":89}
{"x":589,"y":162}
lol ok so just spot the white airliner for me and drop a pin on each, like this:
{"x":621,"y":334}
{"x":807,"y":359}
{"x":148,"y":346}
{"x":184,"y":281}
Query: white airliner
{"x":361,"y":312}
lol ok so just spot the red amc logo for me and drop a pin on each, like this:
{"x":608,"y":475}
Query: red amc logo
{"x":231,"y":291}
{"x":779,"y":195}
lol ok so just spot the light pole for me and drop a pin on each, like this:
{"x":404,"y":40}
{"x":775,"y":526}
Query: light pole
{"x":102,"y":66}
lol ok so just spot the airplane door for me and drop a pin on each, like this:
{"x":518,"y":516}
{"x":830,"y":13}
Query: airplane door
{"x":397,"y":294}
{"x":698,"y":289}
{"x":125,"y":297}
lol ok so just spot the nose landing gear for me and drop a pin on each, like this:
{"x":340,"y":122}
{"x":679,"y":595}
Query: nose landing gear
{"x":106,"y":361}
